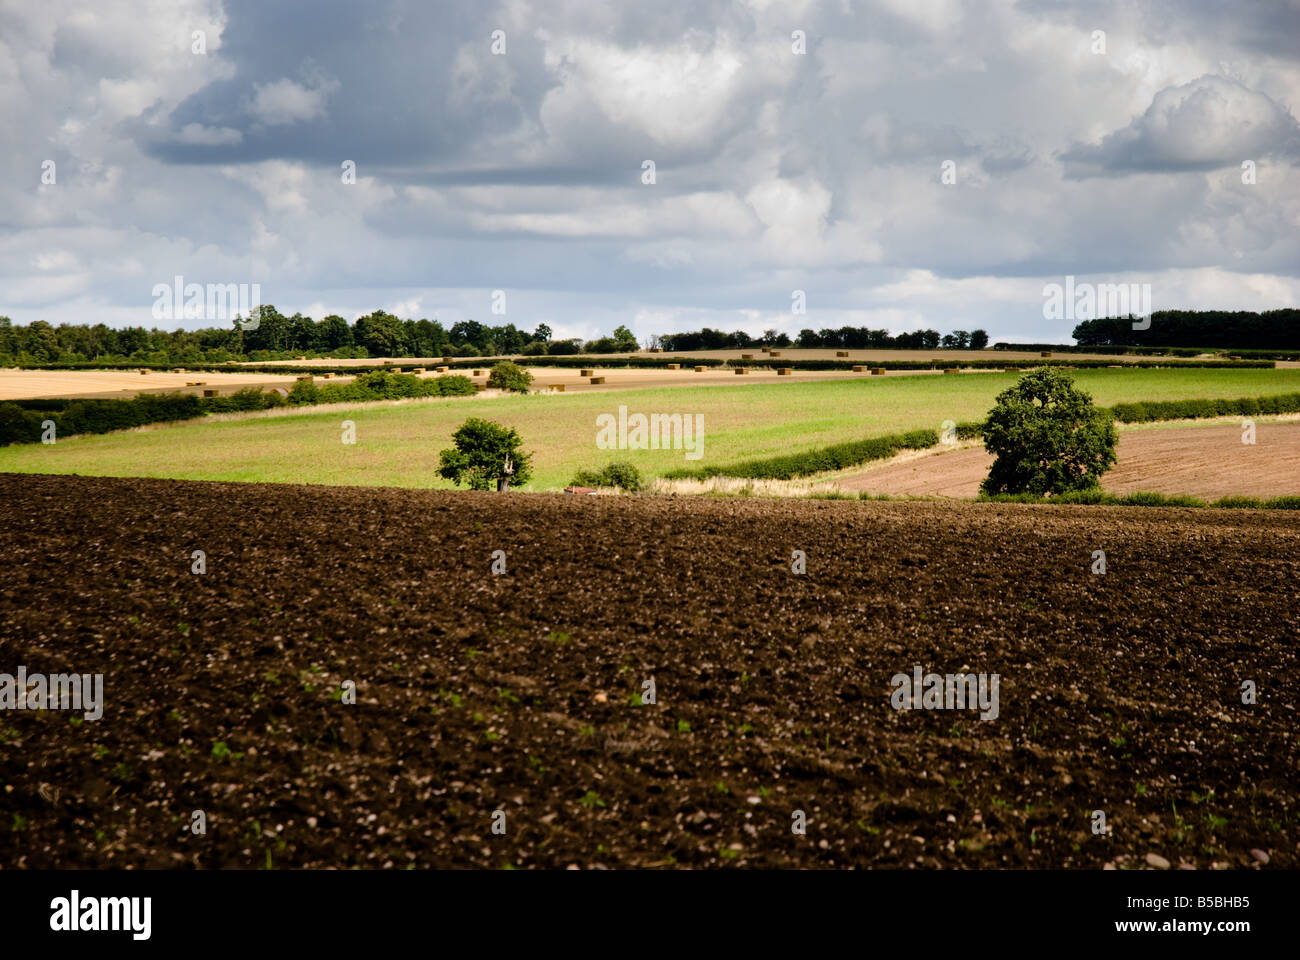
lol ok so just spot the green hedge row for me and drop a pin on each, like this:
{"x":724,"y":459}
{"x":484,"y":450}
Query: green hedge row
{"x":837,"y":457}
{"x":1146,"y":498}
{"x":21,"y":421}
{"x":1202,"y":409}
{"x":21,"y":424}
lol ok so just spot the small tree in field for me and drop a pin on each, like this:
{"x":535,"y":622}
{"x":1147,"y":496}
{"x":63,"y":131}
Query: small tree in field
{"x":486,"y":454}
{"x":510,"y":376}
{"x":1047,"y":437}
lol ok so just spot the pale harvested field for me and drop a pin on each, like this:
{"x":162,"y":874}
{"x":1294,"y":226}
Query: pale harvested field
{"x":121,"y":384}
{"x":1206,"y":460}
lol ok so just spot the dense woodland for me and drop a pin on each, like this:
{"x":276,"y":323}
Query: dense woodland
{"x":1233,"y":330}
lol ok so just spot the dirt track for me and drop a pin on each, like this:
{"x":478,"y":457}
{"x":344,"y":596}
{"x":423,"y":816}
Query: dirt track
{"x":1208,"y":461}
{"x":478,"y":692}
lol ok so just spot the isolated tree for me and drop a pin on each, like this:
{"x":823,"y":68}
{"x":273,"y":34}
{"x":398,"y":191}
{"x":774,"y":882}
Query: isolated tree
{"x":979,"y":339}
{"x":510,"y":376}
{"x":1047,"y":437}
{"x":624,"y":339}
{"x":542,"y":333}
{"x":486,"y":454}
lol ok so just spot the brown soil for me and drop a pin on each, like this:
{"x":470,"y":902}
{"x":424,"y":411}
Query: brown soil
{"x":478,"y":692}
{"x":1207,"y":461}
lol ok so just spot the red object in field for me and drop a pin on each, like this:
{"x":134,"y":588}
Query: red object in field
{"x":591,"y":490}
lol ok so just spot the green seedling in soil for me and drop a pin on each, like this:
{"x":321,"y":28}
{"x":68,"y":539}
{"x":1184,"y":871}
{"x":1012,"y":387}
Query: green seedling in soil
{"x":536,"y":764}
{"x":728,"y":854}
{"x":586,"y":730}
{"x":683,"y":726}
{"x":1140,"y":789}
{"x":76,"y":721}
{"x":10,"y":733}
{"x":721,"y":787}
{"x":590,"y":800}
{"x":472,"y":653}
{"x":874,"y":831}
{"x":122,"y":771}
{"x":506,"y":694}
{"x":558,"y":636}
{"x":764,"y":792}
{"x":635,"y":699}
{"x":101,"y":751}
{"x":624,"y":669}
{"x":184,"y":629}
{"x":491,"y":735}
{"x":477,"y":717}
{"x":222,"y":752}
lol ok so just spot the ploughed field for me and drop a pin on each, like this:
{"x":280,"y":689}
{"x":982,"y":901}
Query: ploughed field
{"x":478,"y":692}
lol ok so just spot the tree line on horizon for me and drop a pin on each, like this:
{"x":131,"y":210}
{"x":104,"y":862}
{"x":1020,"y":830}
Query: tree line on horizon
{"x":275,"y":336}
{"x":1227,"y":329}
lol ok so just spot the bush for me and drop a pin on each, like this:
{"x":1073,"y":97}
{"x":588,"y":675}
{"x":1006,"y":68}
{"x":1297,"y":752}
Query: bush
{"x":563,"y":348}
{"x":619,"y":474}
{"x":535,"y":349}
{"x":510,"y":376}
{"x":1047,"y":437}
{"x":837,"y":457}
{"x":486,"y":454}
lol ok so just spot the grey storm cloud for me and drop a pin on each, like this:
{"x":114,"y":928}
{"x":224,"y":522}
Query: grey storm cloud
{"x":775,"y":171}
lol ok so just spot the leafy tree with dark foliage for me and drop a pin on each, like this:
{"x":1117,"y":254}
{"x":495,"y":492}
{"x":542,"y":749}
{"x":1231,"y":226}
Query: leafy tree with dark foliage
{"x":1047,"y":437}
{"x":486,"y":453}
{"x":510,"y":376}
{"x":1224,"y":329}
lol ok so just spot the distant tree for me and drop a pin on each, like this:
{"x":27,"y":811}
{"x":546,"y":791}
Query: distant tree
{"x":624,"y":340}
{"x":542,"y":333}
{"x":486,"y":454}
{"x":978,"y":340}
{"x":302,"y":333}
{"x":510,"y":376}
{"x":334,"y":332}
{"x":1047,"y":437}
{"x":380,"y":333}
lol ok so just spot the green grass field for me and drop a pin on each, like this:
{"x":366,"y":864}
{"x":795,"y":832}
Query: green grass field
{"x":398,"y":444}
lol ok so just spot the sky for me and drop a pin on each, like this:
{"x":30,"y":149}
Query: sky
{"x":902,"y":163}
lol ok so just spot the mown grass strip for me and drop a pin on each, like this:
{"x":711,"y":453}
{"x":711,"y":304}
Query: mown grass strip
{"x":1145,"y":498}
